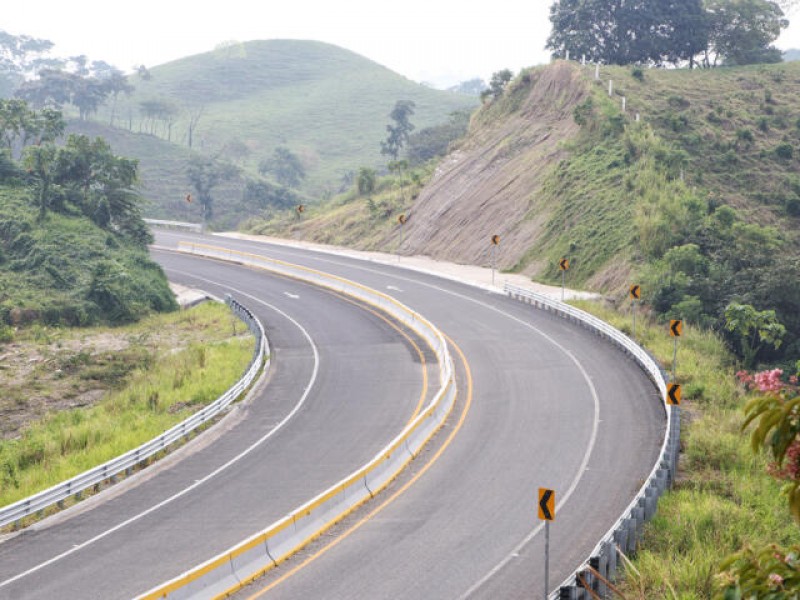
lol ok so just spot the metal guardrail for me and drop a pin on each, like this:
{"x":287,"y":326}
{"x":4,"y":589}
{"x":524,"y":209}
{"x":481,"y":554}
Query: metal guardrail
{"x":109,"y":471}
{"x":601,"y":565}
{"x":249,"y":559}
{"x":197,"y":227}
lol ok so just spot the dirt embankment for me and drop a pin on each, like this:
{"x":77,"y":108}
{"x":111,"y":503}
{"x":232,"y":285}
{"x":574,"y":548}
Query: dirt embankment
{"x":489,"y":185}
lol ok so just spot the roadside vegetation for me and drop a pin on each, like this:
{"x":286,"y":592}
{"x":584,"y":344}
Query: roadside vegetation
{"x":94,"y":357}
{"x":724,"y":498}
{"x":75,"y":398}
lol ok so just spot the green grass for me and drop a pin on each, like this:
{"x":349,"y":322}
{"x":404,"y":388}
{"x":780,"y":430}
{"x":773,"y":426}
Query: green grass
{"x":158,"y":393}
{"x":722,"y":498}
{"x":50,"y":269}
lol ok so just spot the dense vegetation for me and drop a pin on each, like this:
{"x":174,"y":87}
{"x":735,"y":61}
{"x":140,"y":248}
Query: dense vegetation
{"x":72,"y":241}
{"x":724,"y":498}
{"x":658,"y":32}
{"x":701,"y":193}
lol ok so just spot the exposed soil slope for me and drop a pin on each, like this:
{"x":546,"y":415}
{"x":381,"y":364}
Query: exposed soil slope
{"x":489,"y":185}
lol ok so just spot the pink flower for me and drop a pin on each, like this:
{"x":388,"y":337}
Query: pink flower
{"x":775,"y":580}
{"x":769,"y":381}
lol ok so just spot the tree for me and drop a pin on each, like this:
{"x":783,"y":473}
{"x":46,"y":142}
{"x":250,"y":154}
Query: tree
{"x":116,"y":83}
{"x":54,"y":88}
{"x":284,"y":166}
{"x":264,"y":195}
{"x":753,"y":329}
{"x":742,"y":31}
{"x":21,"y":55}
{"x":195,"y":112}
{"x":497,"y":84}
{"x":236,"y":151}
{"x":366,"y":181}
{"x":398,"y":133}
{"x":19,"y":125}
{"x":429,"y":142}
{"x":204,"y":175}
{"x":628,"y":31}
{"x":473,"y":87}
{"x":158,"y":110}
{"x":40,"y":163}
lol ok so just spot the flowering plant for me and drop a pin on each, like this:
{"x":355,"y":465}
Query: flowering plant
{"x":771,"y":572}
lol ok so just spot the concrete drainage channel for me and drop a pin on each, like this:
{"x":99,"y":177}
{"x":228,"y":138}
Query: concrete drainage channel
{"x":109,"y":472}
{"x":241,"y":564}
{"x":592,"y":578}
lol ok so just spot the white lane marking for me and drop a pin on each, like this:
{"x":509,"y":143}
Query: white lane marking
{"x":595,"y":397}
{"x":394,"y":288}
{"x":214,"y":473}
{"x":290,"y":295}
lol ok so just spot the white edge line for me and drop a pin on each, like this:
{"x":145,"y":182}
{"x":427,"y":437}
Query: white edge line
{"x":214,"y":473}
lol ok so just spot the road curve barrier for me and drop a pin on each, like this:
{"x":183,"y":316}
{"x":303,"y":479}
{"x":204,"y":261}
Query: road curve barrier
{"x":109,"y":472}
{"x":248,"y":560}
{"x":591,"y":578}
{"x":181,"y":225}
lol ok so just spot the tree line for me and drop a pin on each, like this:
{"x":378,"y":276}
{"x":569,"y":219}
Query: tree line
{"x":81,"y":175}
{"x":704,"y":33}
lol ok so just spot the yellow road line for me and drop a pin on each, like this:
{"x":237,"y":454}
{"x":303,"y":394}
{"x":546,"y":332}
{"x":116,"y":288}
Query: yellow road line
{"x":395,"y":495}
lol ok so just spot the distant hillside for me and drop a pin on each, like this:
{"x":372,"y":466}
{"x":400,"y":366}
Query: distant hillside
{"x":792,"y":54}
{"x":329,"y":106}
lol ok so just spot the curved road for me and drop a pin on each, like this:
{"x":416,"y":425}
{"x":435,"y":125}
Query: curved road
{"x":342,"y":383}
{"x":543,"y":403}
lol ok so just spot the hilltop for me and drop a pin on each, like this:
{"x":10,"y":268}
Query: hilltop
{"x":328,"y":105}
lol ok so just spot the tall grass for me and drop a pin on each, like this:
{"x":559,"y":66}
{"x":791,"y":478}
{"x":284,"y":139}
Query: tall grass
{"x":722,"y":497}
{"x":176,"y":384}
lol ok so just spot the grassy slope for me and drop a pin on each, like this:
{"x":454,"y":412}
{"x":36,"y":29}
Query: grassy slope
{"x":328,"y":105}
{"x":171,"y":366}
{"x":47,"y":269}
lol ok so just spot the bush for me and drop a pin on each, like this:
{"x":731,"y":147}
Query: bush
{"x":744,"y":135}
{"x":784,"y":151}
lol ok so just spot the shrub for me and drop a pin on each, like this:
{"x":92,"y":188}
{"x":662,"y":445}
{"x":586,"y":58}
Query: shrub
{"x":784,"y":151}
{"x":744,"y":135}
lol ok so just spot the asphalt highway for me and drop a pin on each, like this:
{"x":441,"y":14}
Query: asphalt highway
{"x":342,"y":383}
{"x":542,"y":403}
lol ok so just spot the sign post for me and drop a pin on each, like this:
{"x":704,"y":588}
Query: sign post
{"x":495,"y":243}
{"x":675,"y":330}
{"x":402,"y":220}
{"x":673,"y":394}
{"x":563,"y":265}
{"x":547,"y":513}
{"x":636,"y":293}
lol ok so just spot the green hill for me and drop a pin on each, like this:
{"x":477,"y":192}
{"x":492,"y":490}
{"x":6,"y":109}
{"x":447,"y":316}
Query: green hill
{"x":329,"y":106}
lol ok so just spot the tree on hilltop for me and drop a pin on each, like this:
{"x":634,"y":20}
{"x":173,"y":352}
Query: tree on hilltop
{"x":742,"y":31}
{"x":628,"y":31}
{"x":662,"y":32}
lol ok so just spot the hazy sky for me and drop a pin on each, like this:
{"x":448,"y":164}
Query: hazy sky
{"x":438,"y":41}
